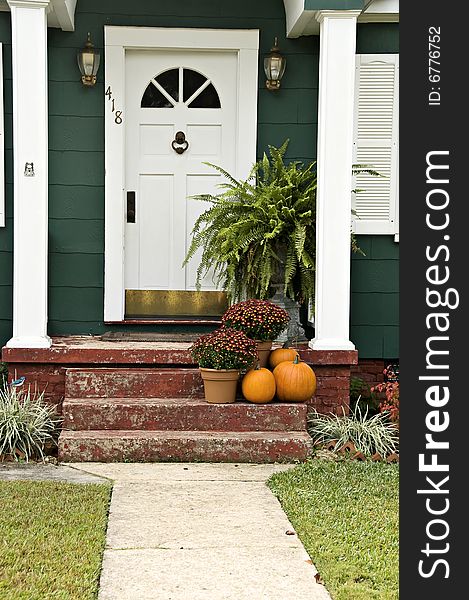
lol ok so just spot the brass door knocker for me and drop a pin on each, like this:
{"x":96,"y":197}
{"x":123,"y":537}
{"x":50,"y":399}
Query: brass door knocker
{"x":180,"y":144}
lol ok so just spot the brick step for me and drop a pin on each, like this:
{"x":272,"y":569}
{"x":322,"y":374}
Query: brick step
{"x":157,"y":382}
{"x":183,"y":446}
{"x":180,"y":414}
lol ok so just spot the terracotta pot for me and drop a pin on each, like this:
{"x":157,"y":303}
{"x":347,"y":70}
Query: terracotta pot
{"x":263,"y":351}
{"x":220,"y":385}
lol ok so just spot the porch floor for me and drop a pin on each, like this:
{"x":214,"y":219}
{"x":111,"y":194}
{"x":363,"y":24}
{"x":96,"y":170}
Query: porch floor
{"x":93,"y":349}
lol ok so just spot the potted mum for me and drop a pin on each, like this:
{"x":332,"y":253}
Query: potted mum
{"x":260,"y":320}
{"x":221,"y":355}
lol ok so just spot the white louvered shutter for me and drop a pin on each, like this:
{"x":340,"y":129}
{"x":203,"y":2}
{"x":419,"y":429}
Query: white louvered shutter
{"x":2,"y":162}
{"x":376,"y":143}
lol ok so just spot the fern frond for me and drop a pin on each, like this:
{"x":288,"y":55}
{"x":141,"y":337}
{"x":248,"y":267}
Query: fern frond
{"x":225,"y":173}
{"x":368,"y":169}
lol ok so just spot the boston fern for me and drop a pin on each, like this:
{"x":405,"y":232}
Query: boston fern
{"x":261,"y":231}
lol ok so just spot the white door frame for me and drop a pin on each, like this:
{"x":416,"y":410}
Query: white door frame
{"x":116,"y":41}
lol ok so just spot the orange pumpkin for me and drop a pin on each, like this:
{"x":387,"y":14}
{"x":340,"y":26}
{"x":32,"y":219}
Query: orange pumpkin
{"x":296,"y":381}
{"x":280,"y":355}
{"x":258,"y":385}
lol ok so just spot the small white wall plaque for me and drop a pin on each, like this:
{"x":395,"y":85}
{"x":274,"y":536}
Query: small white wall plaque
{"x":29,"y":169}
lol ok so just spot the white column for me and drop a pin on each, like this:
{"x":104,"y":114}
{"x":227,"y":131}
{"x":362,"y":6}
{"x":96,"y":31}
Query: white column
{"x":334,"y":163}
{"x":29,"y":54}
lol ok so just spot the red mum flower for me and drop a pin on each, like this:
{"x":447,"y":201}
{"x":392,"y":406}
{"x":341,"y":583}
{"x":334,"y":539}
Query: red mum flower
{"x":258,"y":319}
{"x":224,"y":349}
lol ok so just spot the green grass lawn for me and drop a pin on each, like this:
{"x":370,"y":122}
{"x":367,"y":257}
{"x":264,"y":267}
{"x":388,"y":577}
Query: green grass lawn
{"x":346,"y":515}
{"x":51,"y":539}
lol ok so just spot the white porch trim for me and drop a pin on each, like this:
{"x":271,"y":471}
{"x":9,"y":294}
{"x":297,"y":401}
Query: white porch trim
{"x":116,"y":41}
{"x":380,"y":11}
{"x":60,"y":13}
{"x":304,"y":21}
{"x":30,"y":145}
{"x":334,"y":160}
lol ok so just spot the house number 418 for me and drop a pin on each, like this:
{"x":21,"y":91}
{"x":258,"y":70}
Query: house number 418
{"x":117,"y":113}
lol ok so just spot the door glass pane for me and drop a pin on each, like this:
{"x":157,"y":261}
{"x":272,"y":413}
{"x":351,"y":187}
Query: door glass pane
{"x":169,"y":80}
{"x":208,"y":98}
{"x":192,"y":82}
{"x":153,"y":98}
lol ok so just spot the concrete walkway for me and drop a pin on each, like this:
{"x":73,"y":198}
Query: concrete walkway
{"x":12,"y":471}
{"x":200,"y":532}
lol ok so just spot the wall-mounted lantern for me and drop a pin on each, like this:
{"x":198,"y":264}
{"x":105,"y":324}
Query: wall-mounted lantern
{"x":274,"y":67}
{"x":88,"y":62}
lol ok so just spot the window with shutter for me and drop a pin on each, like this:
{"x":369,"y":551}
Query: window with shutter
{"x":376,"y":143}
{"x":2,"y":161}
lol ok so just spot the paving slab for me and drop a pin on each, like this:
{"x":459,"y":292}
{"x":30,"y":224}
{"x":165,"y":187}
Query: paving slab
{"x":45,"y":472}
{"x":134,"y":472}
{"x":220,"y":574}
{"x":200,"y":532}
{"x":228,"y":507}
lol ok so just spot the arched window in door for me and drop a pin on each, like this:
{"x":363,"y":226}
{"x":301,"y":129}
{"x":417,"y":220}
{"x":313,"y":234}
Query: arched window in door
{"x":180,"y":86}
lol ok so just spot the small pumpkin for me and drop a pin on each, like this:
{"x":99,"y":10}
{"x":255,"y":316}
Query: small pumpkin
{"x":258,"y":385}
{"x":280,"y":355}
{"x":295,"y":381}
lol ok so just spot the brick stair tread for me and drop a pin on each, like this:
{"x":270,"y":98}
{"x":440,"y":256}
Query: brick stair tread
{"x":184,"y":401}
{"x":165,"y":382}
{"x":184,"y":446}
{"x":181,"y":414}
{"x":136,"y":401}
{"x":133,"y":368}
{"x":140,"y":433}
{"x":120,"y":370}
{"x":74,"y":374}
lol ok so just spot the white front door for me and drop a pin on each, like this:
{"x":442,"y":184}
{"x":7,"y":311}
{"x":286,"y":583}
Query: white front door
{"x":181,"y":112}
{"x":175,"y":98}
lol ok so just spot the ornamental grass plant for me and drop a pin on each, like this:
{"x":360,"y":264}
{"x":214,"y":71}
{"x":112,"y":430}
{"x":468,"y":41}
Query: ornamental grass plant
{"x":27,"y":423}
{"x":369,"y":435}
{"x":258,"y":319}
{"x":224,"y":348}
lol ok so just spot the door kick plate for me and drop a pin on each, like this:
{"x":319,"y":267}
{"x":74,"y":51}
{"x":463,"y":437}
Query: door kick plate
{"x":172,"y":303}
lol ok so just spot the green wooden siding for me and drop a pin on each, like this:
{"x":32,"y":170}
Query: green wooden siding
{"x":375,"y":297}
{"x":378,"y":38}
{"x":333,"y":4}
